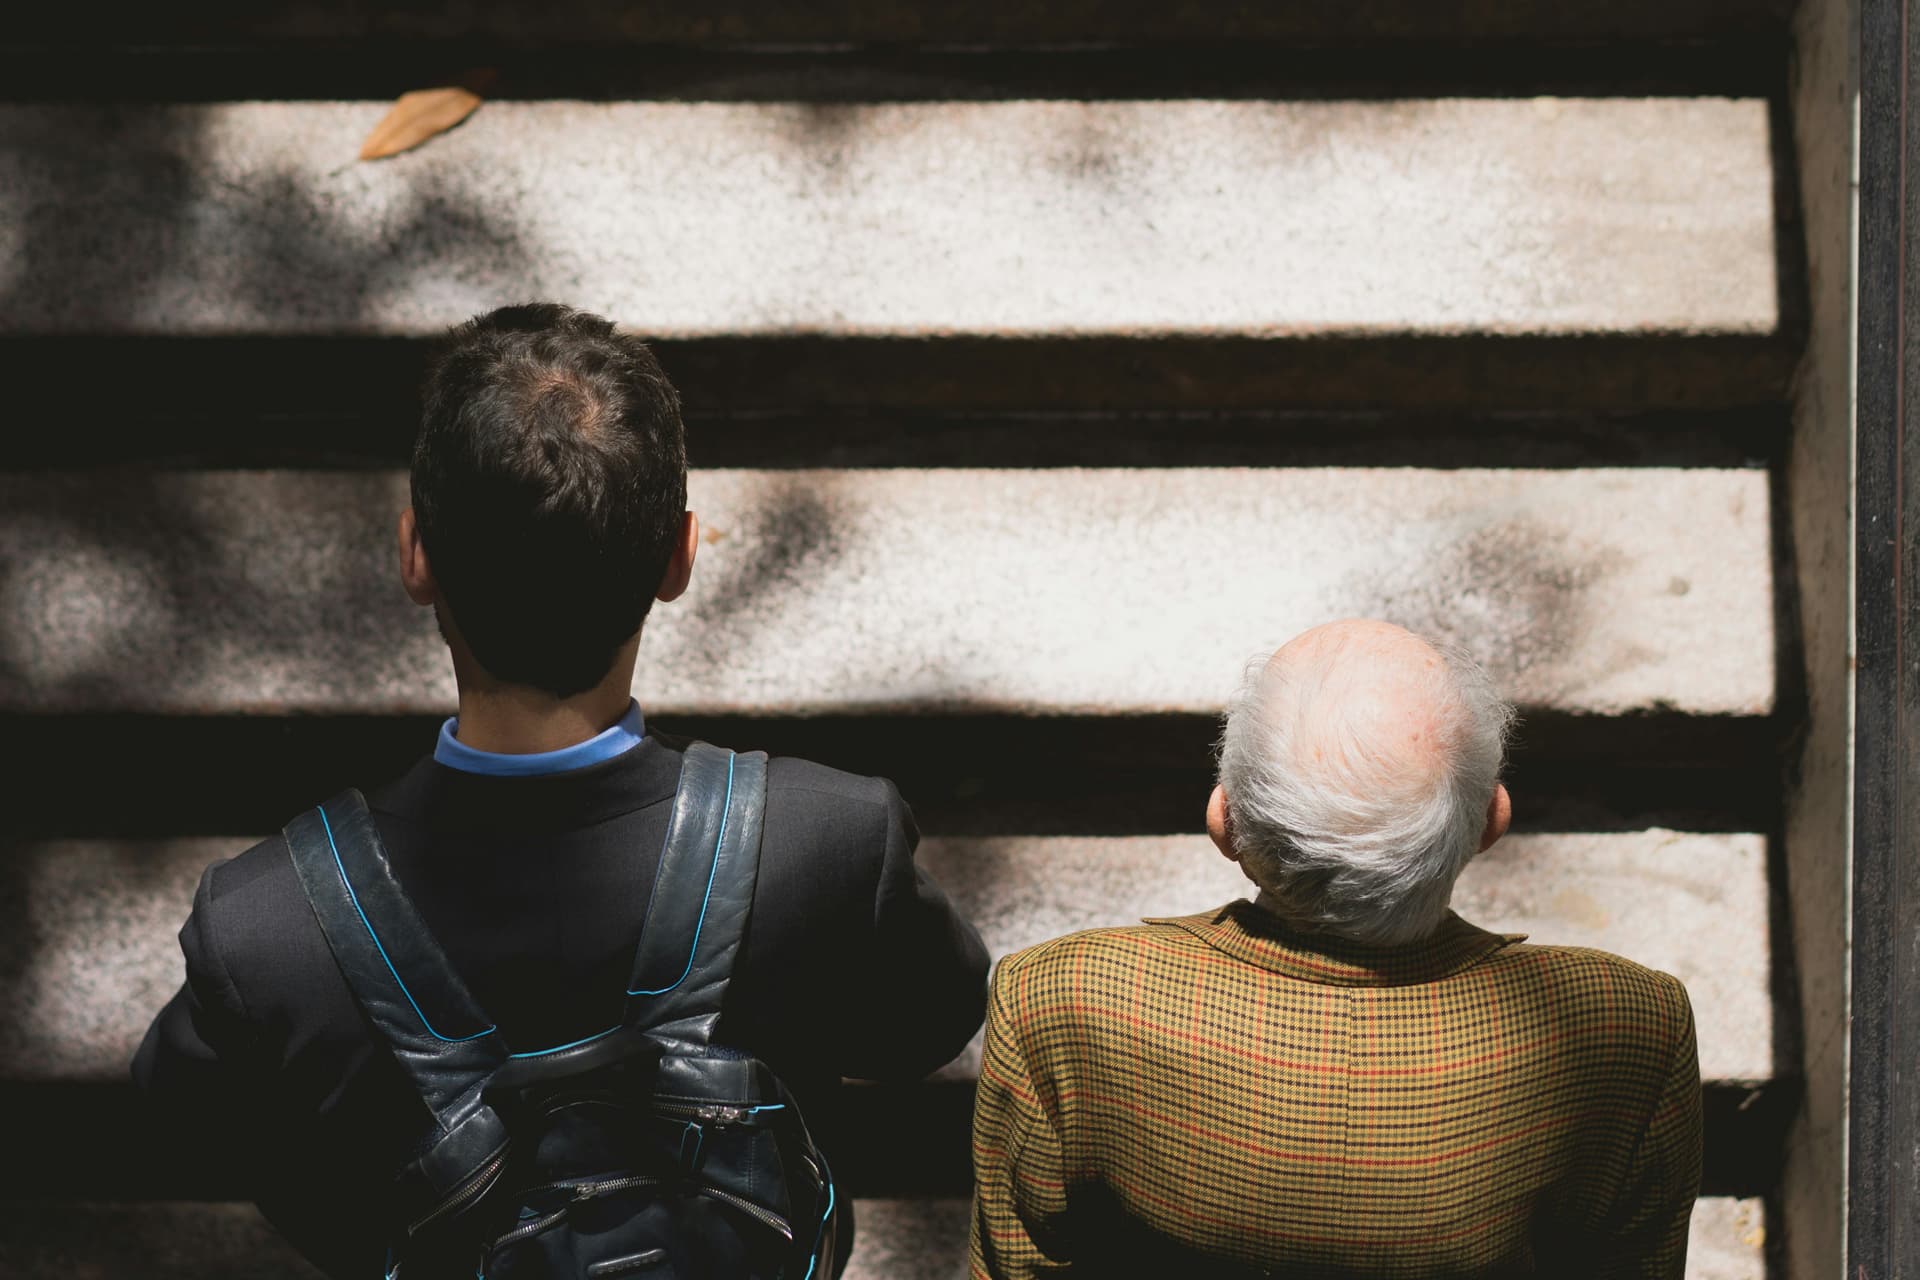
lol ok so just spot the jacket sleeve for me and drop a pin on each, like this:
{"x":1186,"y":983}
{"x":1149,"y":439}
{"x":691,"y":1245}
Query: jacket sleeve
{"x":193,"y":1062}
{"x":212,"y":1086}
{"x":1019,"y":1179}
{"x":924,"y":973}
{"x":1648,"y":1237}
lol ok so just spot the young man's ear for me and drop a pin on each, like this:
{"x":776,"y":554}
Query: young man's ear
{"x":416,"y":574}
{"x":680,"y":565}
{"x":1220,"y":824}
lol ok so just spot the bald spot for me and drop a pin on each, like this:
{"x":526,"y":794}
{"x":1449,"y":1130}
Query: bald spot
{"x":1369,"y":704}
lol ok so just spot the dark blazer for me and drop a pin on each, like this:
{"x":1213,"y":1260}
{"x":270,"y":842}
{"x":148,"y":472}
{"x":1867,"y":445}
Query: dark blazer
{"x":854,"y":964}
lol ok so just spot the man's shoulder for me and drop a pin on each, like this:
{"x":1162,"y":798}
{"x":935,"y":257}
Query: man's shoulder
{"x":1117,"y":948}
{"x":263,"y":868}
{"x":1584,"y":964}
{"x":1573,"y":978}
{"x":794,"y":775}
{"x":250,"y":921}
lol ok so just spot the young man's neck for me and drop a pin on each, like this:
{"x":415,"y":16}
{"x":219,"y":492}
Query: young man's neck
{"x":511,"y":719}
{"x":501,"y":722}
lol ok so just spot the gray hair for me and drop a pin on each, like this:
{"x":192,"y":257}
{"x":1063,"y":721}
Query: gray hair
{"x":1333,"y":848}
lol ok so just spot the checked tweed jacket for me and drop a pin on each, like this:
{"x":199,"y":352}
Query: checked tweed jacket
{"x":1217,"y":1095}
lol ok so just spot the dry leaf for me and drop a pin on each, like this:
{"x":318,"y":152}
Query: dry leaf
{"x":417,"y":116}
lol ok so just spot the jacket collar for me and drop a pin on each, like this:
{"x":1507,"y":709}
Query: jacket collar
{"x":1246,"y":932}
{"x":454,"y":800}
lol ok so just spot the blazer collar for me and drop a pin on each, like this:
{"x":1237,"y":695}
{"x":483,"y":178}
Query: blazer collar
{"x":453,"y":800}
{"x":1246,"y":932}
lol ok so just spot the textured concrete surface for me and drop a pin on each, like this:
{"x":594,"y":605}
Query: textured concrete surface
{"x":1505,"y":216}
{"x":1819,"y":808}
{"x":1728,"y":1240}
{"x":896,"y":1240}
{"x":1598,"y":591}
{"x":92,"y":954}
{"x":96,"y":957}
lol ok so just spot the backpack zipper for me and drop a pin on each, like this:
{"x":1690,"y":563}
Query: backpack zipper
{"x":766,"y":1217}
{"x":525,"y":1229}
{"x":474,"y":1187}
{"x":590,"y":1190}
{"x":709,"y":1112}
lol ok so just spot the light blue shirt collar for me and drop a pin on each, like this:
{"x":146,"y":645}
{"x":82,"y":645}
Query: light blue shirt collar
{"x":623,"y":736}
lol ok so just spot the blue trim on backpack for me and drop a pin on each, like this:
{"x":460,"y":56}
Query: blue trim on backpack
{"x":571,"y":1044}
{"x":355,"y":899}
{"x":821,"y":1232}
{"x":694,"y":950}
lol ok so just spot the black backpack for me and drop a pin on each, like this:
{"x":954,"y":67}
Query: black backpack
{"x":645,"y":1151}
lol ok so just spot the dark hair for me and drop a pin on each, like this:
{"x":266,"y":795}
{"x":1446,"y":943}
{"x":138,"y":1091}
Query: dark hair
{"x":549,"y":482}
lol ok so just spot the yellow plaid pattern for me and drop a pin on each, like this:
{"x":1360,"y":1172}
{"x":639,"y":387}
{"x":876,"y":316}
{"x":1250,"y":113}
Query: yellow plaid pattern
{"x":1217,"y":1094}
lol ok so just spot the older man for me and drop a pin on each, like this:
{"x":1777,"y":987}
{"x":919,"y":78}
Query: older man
{"x":1342,"y":1077}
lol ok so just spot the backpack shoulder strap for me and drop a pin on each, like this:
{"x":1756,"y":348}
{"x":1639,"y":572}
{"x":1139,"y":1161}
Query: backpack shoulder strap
{"x":399,"y":975}
{"x":702,"y":896}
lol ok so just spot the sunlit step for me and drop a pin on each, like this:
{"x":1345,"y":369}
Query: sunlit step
{"x":1110,"y":592}
{"x":1446,"y":216}
{"x":97,"y":956}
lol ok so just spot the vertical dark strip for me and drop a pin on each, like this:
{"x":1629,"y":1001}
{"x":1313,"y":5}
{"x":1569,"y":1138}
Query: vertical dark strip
{"x":1883,"y":1217}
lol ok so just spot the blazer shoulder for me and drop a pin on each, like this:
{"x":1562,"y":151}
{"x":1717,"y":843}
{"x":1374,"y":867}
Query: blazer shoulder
{"x":259,"y":867}
{"x":793,"y":774}
{"x":1587,"y":977}
{"x":793,"y":777}
{"x":1590,"y":962}
{"x":252,"y":917}
{"x":1115,"y":947}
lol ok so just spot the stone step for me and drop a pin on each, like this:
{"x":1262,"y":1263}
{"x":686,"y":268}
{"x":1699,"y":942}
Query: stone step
{"x":1592,"y":593}
{"x":896,"y":1239}
{"x":1246,"y":230}
{"x":96,"y":957}
{"x":292,"y":390}
{"x":964,"y":774}
{"x":373,"y":435}
{"x":954,"y":22}
{"x":905,"y":1140}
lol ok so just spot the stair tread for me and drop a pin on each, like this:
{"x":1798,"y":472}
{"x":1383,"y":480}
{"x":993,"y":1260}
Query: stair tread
{"x":1264,"y":219}
{"x":823,"y":592}
{"x":100,"y":958}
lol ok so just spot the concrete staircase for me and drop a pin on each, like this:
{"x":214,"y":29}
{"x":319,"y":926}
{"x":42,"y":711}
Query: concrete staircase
{"x":1042,"y":363}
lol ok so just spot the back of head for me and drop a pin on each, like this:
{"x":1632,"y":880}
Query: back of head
{"x":1359,"y":763}
{"x":549,"y":483}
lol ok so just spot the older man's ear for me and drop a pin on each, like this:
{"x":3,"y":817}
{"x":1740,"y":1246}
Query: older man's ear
{"x":1499,"y":817}
{"x":1220,"y":824}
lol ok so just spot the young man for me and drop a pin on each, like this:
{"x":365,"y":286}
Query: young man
{"x":1341,"y":1078}
{"x":549,"y":512}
